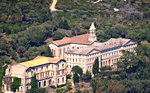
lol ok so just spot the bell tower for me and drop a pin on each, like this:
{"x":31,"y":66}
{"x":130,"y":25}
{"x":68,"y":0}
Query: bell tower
{"x":92,"y":37}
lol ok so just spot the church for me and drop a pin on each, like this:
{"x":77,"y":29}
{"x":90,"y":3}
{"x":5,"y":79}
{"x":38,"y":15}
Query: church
{"x":82,"y":50}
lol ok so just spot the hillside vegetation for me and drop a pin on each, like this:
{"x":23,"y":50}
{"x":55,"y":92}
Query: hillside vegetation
{"x":26,"y":24}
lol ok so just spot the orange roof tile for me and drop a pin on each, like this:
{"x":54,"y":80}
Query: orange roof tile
{"x":80,"y":39}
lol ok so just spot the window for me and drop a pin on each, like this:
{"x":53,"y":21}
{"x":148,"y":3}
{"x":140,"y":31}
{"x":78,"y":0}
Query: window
{"x":9,"y":70}
{"x":49,"y":82}
{"x":52,"y":66}
{"x":63,"y":79}
{"x":39,"y":84}
{"x":51,"y":74}
{"x":63,"y":65}
{"x":70,"y":66}
{"x":109,"y":61}
{"x":58,"y":66}
{"x":58,"y":72}
{"x":44,"y":83}
{"x":58,"y":80}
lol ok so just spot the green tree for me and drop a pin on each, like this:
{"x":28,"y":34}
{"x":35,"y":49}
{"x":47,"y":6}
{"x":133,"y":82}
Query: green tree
{"x":95,"y":69}
{"x":46,"y":51}
{"x":33,"y":82}
{"x":77,"y":69}
{"x":58,"y":35}
{"x":4,"y":60}
{"x":64,"y":24}
{"x":75,"y":78}
{"x":2,"y":73}
{"x":15,"y":84}
{"x":34,"y":88}
{"x":127,"y":60}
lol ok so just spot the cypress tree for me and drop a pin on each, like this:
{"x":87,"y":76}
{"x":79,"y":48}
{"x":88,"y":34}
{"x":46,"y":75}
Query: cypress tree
{"x":95,"y":69}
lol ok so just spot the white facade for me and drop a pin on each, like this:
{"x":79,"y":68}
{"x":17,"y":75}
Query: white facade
{"x":47,"y":74}
{"x":84,"y":54}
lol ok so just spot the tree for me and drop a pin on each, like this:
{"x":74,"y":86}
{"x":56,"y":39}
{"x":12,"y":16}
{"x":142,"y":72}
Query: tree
{"x":75,"y":78}
{"x":77,"y":69}
{"x":58,"y":35}
{"x":127,"y":60}
{"x":46,"y":51}
{"x":33,"y":82}
{"x":34,"y":88}
{"x":15,"y":84}
{"x":2,"y":73}
{"x":95,"y":69}
{"x":64,"y":24}
{"x":4,"y":60}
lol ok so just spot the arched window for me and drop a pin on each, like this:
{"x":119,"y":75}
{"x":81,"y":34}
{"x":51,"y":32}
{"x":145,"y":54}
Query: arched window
{"x":49,"y":82}
{"x":44,"y":83}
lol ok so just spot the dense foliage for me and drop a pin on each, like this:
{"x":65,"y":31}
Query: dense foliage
{"x":33,"y":82}
{"x":77,"y":69}
{"x":15,"y":84}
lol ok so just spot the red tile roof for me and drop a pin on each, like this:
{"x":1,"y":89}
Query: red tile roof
{"x":80,"y":39}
